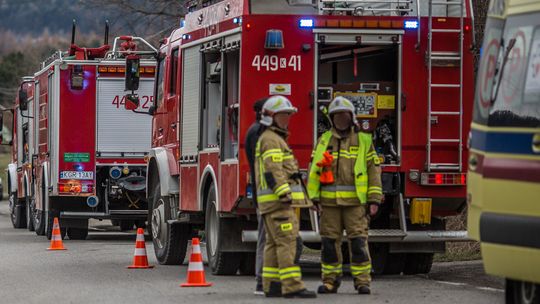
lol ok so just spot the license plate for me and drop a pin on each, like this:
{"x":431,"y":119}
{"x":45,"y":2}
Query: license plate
{"x":77,"y":175}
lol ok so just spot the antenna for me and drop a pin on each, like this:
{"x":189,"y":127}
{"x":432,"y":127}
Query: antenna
{"x":73,"y":32}
{"x":106,"y":39}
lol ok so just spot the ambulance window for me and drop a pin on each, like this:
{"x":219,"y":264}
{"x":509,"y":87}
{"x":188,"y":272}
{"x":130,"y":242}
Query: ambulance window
{"x":488,"y":70}
{"x":159,"y":81}
{"x":517,"y":103}
{"x":173,"y":72}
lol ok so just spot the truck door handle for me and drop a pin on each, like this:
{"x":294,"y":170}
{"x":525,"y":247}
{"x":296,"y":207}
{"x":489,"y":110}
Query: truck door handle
{"x":536,"y":143}
{"x":173,"y":125}
{"x":160,"y":131}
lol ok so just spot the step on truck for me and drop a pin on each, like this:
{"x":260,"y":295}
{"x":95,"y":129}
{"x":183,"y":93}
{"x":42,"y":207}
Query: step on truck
{"x":406,"y":65}
{"x":78,"y":154}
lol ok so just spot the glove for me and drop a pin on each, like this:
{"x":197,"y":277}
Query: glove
{"x":326,"y":161}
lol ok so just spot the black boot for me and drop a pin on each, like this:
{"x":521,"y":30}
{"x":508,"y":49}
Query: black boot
{"x":363,"y":289}
{"x":303,"y":294}
{"x":328,"y":288}
{"x":274,"y":291}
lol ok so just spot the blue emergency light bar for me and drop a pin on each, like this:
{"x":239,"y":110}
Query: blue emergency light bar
{"x":306,"y":23}
{"x":411,"y":24}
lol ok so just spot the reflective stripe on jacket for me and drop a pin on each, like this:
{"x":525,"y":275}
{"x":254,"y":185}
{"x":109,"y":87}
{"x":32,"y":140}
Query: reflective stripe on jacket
{"x":355,"y":167}
{"x":275,"y":167}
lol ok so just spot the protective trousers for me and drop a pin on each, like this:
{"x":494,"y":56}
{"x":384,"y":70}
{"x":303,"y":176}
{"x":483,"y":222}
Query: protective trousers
{"x":333,"y":221}
{"x":280,"y":264}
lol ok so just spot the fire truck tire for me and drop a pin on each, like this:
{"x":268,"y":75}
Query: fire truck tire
{"x":126,"y":225}
{"x":418,"y":263}
{"x":247,"y":265}
{"x":50,"y":220}
{"x":220,"y":262}
{"x":170,"y":241}
{"x":38,"y":216}
{"x":395,"y":263}
{"x":77,"y":233}
{"x":29,"y":215}
{"x":18,"y":213}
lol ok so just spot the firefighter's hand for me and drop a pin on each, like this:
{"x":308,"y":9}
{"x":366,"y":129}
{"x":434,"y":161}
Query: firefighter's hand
{"x":373,"y":209}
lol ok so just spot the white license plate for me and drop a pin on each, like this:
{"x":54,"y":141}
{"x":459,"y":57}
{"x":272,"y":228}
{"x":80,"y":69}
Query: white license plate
{"x":76,"y":175}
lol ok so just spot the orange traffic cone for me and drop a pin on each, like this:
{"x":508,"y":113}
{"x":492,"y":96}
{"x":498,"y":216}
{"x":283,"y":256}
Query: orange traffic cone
{"x":56,"y":237}
{"x":140,"y":260}
{"x":195,"y":276}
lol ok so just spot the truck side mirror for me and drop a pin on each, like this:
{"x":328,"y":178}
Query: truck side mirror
{"x":133,"y":63}
{"x":23,"y":99}
{"x":132,"y":102}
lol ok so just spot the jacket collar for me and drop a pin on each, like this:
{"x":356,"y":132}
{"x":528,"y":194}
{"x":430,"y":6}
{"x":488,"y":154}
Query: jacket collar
{"x":336,"y":134}
{"x":280,"y":132}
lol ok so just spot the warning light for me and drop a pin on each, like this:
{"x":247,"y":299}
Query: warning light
{"x":438,"y":179}
{"x":411,"y":24}
{"x":467,"y":28}
{"x":306,"y":23}
{"x":237,"y":20}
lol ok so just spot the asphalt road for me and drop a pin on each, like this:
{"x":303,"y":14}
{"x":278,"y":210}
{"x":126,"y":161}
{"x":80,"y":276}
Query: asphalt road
{"x":94,"y":271}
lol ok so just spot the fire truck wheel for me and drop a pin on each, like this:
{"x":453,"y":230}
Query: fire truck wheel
{"x":417,"y":263}
{"x":126,"y":225}
{"x":379,"y":255}
{"x":18,"y":214}
{"x":395,"y":263}
{"x":38,"y":216}
{"x":221,"y":263}
{"x":50,"y":220}
{"x":29,"y":215}
{"x":77,"y":233}
{"x":170,"y":241}
{"x":247,"y":265}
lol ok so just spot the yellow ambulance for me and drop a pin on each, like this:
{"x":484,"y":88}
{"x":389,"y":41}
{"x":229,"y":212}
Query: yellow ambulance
{"x":503,"y":191}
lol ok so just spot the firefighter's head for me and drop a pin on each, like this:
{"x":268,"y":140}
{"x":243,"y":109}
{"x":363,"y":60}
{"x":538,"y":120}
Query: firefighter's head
{"x":277,"y":111}
{"x":258,"y":106}
{"x":341,"y":111}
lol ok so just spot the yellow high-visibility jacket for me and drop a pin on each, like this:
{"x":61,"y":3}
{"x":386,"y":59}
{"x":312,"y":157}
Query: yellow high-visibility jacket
{"x":357,"y":174}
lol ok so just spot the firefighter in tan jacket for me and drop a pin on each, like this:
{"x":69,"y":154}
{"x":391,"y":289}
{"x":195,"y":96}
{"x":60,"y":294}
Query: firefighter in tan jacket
{"x":345,"y":178}
{"x":279,"y":190}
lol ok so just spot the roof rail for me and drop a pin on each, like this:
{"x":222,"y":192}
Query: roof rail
{"x":367,"y":7}
{"x":120,"y":49}
{"x":56,"y":55}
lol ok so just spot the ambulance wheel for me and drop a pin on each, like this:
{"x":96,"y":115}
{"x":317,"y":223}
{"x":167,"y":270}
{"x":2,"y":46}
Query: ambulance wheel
{"x":221,"y":263}
{"x":77,"y":233}
{"x":29,"y":214}
{"x":522,"y":292}
{"x":247,"y":265}
{"x":418,"y":263}
{"x":18,"y":214}
{"x":50,"y":223}
{"x":170,"y":241}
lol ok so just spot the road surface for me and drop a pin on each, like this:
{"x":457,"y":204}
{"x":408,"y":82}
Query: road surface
{"x":94,"y":271}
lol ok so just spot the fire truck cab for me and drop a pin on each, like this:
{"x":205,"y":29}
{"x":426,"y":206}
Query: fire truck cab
{"x":407,"y":67}
{"x":84,"y":156}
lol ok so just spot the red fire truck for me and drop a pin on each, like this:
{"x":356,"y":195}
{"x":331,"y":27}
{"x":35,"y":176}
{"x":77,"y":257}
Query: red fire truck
{"x":407,"y":67}
{"x":77,"y":153}
{"x":19,"y":170}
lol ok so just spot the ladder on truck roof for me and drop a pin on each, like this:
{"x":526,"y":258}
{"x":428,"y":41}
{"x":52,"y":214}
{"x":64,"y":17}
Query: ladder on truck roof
{"x":433,"y":114}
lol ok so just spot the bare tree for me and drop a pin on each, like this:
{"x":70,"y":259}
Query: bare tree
{"x":152,"y":19}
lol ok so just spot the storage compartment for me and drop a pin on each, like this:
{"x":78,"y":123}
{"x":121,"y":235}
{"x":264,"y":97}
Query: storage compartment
{"x":368,"y":75}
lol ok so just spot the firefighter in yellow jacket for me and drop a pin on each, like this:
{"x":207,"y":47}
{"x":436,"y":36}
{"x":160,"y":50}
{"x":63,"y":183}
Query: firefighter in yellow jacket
{"x":345,"y":179}
{"x":279,"y":190}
